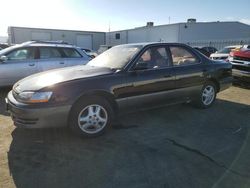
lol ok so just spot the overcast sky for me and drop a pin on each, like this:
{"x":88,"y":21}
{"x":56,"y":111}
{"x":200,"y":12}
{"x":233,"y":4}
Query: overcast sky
{"x":97,"y":15}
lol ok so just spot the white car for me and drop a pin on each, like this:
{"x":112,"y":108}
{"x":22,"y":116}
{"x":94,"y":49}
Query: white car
{"x":223,"y":53}
{"x":31,"y":57}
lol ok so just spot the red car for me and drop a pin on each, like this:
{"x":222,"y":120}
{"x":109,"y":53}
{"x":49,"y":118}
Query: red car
{"x":240,"y":59}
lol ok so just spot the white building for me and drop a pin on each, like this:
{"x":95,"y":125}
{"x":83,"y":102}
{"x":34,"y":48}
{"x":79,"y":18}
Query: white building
{"x":217,"y":34}
{"x":85,"y":39}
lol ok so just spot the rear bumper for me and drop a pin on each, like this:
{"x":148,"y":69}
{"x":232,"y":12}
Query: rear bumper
{"x":45,"y":117}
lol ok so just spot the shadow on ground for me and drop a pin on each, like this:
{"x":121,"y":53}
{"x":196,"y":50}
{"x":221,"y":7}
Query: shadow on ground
{"x":3,"y":94}
{"x":241,"y":84}
{"x":174,"y":146}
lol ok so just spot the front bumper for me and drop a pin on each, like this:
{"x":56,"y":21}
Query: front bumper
{"x":40,"y":117}
{"x":241,"y":69}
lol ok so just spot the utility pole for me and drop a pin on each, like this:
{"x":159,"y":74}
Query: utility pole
{"x":109,"y":35}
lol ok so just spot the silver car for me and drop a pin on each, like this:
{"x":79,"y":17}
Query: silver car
{"x":22,"y":60}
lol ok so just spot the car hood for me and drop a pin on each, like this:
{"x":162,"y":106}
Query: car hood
{"x":45,"y":79}
{"x":241,"y":53}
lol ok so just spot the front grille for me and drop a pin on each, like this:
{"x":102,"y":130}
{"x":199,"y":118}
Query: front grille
{"x":24,"y":121}
{"x":243,"y":68}
{"x":219,"y":58}
{"x":241,"y":58}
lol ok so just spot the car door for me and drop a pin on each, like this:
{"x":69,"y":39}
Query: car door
{"x":50,"y":58}
{"x":19,"y":63}
{"x":73,"y":57}
{"x":150,"y":80}
{"x":189,"y":71}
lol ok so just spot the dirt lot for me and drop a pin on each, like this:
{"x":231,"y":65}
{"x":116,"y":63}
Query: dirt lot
{"x":175,"y":146}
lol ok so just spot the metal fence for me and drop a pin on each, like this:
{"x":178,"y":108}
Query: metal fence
{"x":219,"y":43}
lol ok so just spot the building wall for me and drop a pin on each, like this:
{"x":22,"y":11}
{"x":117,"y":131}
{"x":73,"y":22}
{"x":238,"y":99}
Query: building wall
{"x":217,"y":34}
{"x":213,"y":31}
{"x":166,"y":33}
{"x":18,"y":35}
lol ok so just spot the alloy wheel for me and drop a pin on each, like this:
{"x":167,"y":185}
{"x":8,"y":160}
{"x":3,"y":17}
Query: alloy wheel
{"x":208,"y":95}
{"x":92,"y":119}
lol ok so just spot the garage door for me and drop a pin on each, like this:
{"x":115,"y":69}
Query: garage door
{"x":45,"y":36}
{"x":84,"y":41}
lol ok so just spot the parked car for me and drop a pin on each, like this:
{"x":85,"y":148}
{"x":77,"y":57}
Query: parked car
{"x":210,"y":49}
{"x":240,"y":60}
{"x":3,"y":45}
{"x":22,"y":60}
{"x":103,"y":48}
{"x":92,"y":54}
{"x":223,"y":53}
{"x":201,"y":50}
{"x":88,"y":98}
{"x":206,"y":50}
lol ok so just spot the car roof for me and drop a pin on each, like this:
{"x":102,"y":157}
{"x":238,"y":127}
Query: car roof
{"x":46,"y":44}
{"x":152,"y":43}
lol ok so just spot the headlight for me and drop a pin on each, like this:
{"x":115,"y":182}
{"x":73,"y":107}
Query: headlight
{"x":230,"y":58}
{"x":34,"y":97}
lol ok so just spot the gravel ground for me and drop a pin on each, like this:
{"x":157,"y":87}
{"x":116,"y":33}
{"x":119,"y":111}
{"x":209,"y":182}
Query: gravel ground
{"x":174,"y":146}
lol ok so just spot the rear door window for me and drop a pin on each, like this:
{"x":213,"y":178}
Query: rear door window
{"x":182,"y":56}
{"x":49,"y":52}
{"x":71,"y":53}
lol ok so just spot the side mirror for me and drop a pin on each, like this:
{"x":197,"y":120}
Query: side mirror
{"x":3,"y":58}
{"x":141,"y":66}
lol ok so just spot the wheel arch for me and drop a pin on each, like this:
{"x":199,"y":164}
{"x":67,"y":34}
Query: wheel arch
{"x":216,"y":82}
{"x":99,"y":93}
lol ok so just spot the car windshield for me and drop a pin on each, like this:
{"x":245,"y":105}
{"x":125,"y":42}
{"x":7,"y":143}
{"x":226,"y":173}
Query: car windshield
{"x":225,"y":50}
{"x":4,"y":51}
{"x":116,"y":57}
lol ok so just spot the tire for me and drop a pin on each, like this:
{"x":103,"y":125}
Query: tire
{"x":91,"y":116}
{"x":207,"y":96}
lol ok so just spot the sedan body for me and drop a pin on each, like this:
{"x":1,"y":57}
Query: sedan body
{"x":88,"y":98}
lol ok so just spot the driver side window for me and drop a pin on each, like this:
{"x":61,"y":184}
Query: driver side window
{"x":153,"y":58}
{"x":21,"y":54}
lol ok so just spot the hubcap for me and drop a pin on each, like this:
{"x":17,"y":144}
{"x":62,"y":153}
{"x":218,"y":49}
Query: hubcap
{"x":208,"y":95}
{"x":92,"y":119}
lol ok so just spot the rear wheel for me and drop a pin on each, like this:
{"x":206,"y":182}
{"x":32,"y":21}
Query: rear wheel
{"x":207,"y":96}
{"x":91,"y":116}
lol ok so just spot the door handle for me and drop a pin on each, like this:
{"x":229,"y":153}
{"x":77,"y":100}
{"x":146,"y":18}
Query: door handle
{"x":62,"y":62}
{"x":32,"y":64}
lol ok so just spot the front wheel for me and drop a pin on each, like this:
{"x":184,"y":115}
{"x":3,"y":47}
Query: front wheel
{"x":207,"y":96}
{"x":90,"y":116}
